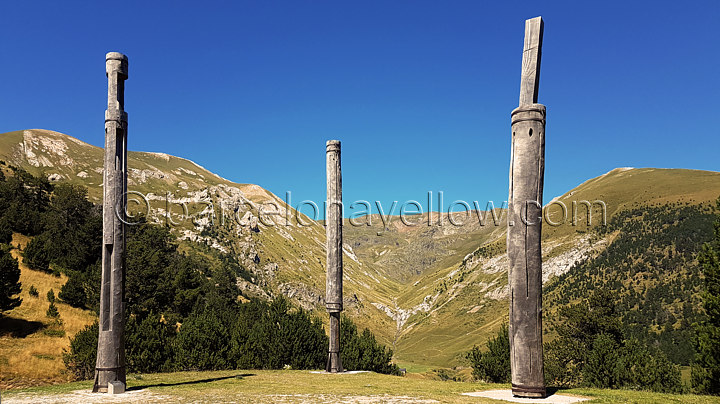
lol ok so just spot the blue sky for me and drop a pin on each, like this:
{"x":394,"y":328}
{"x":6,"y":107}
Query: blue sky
{"x":419,"y":92}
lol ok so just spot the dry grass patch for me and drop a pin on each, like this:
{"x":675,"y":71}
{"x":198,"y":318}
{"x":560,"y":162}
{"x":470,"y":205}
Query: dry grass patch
{"x":31,"y":343}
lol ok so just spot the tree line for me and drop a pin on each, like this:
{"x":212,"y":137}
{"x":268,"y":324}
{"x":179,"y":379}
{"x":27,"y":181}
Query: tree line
{"x":607,"y":339}
{"x":184,"y":311}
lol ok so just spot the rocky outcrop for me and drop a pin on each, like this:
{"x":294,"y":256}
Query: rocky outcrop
{"x":401,"y":316}
{"x":37,"y":150}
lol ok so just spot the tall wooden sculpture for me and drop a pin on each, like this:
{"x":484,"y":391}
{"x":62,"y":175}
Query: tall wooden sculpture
{"x":333,"y":232}
{"x":110,"y":365}
{"x":525,"y":224}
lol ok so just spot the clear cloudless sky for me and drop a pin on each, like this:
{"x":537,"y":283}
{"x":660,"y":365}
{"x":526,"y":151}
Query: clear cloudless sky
{"x":419,"y":92}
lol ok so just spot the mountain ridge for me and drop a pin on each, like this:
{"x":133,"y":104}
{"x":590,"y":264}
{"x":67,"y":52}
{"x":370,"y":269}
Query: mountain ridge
{"x":410,"y":285}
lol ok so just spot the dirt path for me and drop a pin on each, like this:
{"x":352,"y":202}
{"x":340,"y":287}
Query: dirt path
{"x":85,"y":396}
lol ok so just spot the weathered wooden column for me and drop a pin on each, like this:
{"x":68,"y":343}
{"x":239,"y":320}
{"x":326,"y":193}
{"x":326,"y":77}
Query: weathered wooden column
{"x":333,"y":232}
{"x":525,"y":224}
{"x":110,"y":365}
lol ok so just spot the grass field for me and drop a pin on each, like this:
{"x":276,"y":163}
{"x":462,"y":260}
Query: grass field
{"x":292,"y":386}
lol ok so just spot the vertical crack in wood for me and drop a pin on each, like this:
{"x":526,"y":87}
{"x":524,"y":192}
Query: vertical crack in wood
{"x":524,"y":249}
{"x":334,"y":261}
{"x":110,"y":360}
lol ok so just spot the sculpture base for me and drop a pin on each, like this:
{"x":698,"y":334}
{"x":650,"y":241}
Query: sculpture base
{"x":529,"y":392}
{"x":334,"y":364}
{"x":525,"y":394}
{"x":507,"y":395}
{"x":116,"y":387}
{"x":105,"y":376}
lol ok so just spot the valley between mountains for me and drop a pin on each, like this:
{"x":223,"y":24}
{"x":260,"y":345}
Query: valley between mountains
{"x":430,"y":292}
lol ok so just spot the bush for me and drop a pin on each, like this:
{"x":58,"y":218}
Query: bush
{"x":52,"y":311}
{"x":51,"y":296}
{"x":81,"y":358}
{"x":644,"y":368}
{"x":35,"y":254}
{"x":148,"y":347}
{"x":73,"y":291}
{"x":631,"y":365}
{"x":279,"y":336}
{"x":54,"y":332}
{"x":225,"y":335}
{"x":360,"y":351}
{"x":591,"y":351}
{"x":305,"y":343}
{"x":33,"y":292}
{"x":602,"y":367}
{"x":149,"y":344}
{"x":561,"y":368}
{"x":202,"y":343}
{"x":492,"y":365}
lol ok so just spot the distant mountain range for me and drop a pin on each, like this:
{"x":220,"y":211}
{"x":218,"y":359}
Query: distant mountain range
{"x":430,"y":291}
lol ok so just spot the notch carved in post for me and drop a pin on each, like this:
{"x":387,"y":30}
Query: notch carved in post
{"x":527,"y":168}
{"x":110,"y":364}
{"x":334,"y":262}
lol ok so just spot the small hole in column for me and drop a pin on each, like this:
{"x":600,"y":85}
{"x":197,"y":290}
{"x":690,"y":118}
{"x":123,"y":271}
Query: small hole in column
{"x":530,"y":133}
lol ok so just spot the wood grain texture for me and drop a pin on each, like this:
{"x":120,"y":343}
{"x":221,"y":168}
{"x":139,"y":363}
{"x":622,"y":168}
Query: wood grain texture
{"x":524,"y":250}
{"x":110,"y":363}
{"x":527,"y":173}
{"x":334,"y":261}
{"x":532,"y":52}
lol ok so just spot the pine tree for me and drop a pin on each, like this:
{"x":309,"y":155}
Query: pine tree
{"x":52,"y":311}
{"x":601,"y":368}
{"x":80,"y":359}
{"x":149,"y":344}
{"x":494,"y":364}
{"x":9,"y":281}
{"x":706,"y":370}
{"x":361,"y":351}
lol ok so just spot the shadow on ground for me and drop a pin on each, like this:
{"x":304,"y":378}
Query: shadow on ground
{"x":18,"y":328}
{"x":552,"y":390}
{"x":213,"y":379}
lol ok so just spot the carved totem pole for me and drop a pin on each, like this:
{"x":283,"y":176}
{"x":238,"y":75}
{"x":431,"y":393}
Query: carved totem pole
{"x":333,"y":232}
{"x":110,"y":366}
{"x":527,"y":168}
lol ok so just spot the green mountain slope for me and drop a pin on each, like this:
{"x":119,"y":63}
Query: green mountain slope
{"x":432,"y":291}
{"x":455,"y":305}
{"x":284,"y":259}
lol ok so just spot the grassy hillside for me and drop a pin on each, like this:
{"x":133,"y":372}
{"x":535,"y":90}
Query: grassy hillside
{"x":31,"y":344}
{"x":285,"y":259}
{"x":456,"y":276}
{"x":432,"y":292}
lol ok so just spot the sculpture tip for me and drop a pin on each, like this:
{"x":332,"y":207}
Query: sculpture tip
{"x":115,"y":56}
